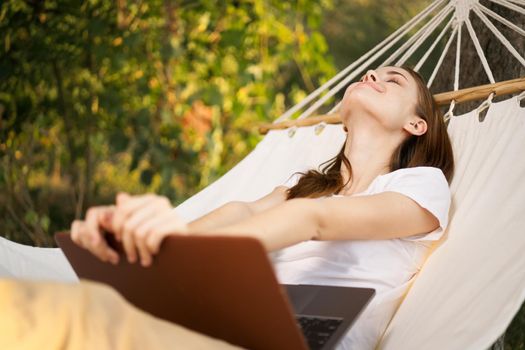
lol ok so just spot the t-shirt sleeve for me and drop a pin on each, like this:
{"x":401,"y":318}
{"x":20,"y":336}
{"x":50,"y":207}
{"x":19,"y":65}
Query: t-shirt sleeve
{"x":428,"y":187}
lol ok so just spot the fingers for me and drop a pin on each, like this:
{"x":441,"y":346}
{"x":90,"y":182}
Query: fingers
{"x":92,"y":224}
{"x":132,"y":213}
{"x":138,"y":225}
{"x":148,"y":232}
{"x":155,"y":239}
{"x":167,"y":225}
{"x":106,"y":218}
{"x":139,"y":222}
{"x":87,"y":235}
{"x":77,"y":233}
{"x":137,"y":218}
{"x":126,"y":206}
{"x":128,"y":242}
{"x":151,"y":231}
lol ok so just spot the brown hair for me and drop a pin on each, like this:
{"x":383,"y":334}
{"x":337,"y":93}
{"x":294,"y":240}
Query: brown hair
{"x":430,"y":149}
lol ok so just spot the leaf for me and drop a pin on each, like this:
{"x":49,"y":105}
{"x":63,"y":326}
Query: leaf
{"x":118,"y":141}
{"x":232,"y":37}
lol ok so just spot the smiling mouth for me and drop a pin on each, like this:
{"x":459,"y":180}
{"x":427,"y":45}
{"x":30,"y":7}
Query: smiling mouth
{"x":372,"y":85}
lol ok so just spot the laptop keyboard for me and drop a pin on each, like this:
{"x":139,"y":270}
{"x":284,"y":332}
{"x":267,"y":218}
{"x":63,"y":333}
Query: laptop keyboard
{"x":317,"y":330}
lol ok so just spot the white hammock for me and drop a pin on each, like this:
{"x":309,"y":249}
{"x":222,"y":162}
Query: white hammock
{"x":470,"y":287}
{"x":473,"y":284}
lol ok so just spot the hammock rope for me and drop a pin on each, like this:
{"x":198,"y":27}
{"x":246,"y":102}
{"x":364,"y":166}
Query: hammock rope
{"x":360,"y":70}
{"x":481,"y":55}
{"x":442,"y":57}
{"x":458,"y":57}
{"x":499,"y":35}
{"x":500,"y":19}
{"x":423,"y":59}
{"x":510,"y":5}
{"x":424,"y":30}
{"x":436,"y":15}
{"x":432,"y":25}
{"x":403,"y":29}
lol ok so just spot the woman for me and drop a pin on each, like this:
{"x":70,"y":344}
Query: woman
{"x":367,"y":219}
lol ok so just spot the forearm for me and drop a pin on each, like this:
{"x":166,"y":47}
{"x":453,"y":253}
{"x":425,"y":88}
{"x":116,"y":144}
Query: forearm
{"x":226,"y":214}
{"x":291,"y":222}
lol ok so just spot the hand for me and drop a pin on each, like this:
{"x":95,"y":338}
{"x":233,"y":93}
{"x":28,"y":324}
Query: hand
{"x":142,"y":222}
{"x":88,"y":233}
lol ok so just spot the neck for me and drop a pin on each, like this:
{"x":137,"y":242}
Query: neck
{"x":369,"y":152}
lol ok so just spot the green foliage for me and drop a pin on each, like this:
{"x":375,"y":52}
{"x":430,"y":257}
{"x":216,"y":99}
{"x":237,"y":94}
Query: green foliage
{"x":99,"y":96}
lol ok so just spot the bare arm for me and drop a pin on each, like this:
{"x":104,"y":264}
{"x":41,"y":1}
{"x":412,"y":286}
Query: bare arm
{"x":141,"y":222}
{"x":277,"y":223}
{"x":235,"y":211}
{"x":381,"y":216}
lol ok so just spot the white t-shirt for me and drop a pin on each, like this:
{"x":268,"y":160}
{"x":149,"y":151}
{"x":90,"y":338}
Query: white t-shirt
{"x":388,"y":266}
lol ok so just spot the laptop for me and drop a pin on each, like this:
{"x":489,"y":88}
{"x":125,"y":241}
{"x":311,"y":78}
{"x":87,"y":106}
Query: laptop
{"x":226,"y":287}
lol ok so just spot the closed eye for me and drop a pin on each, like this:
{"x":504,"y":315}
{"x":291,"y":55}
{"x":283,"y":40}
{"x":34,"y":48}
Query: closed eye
{"x":393,"y":81}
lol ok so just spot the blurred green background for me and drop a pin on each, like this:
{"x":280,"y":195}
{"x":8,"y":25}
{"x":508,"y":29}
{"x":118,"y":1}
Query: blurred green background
{"x":154,"y":96}
{"x":103,"y":96}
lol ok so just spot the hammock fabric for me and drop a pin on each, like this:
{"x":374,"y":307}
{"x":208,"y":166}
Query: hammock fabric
{"x":473,"y":283}
{"x":472,"y":286}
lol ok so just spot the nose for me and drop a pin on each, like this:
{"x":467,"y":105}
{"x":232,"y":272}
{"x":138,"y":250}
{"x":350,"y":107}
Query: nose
{"x":370,"y":75}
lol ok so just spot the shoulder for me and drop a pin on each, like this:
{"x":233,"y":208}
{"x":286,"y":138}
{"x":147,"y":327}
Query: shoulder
{"x":424,"y":181}
{"x":422,"y":176}
{"x":427,"y":186}
{"x":425,"y":171}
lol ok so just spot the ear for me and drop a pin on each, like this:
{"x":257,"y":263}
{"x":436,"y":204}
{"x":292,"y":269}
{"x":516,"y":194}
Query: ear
{"x":416,"y":126}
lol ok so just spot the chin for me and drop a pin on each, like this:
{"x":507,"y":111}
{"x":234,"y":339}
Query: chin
{"x":358,"y":99}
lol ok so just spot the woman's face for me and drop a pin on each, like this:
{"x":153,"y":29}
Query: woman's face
{"x":388,"y":94}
